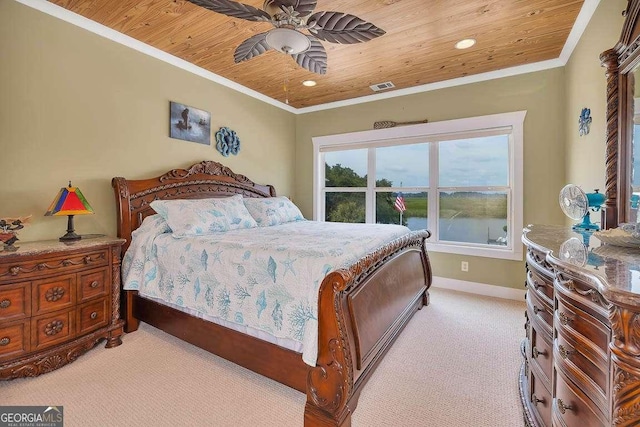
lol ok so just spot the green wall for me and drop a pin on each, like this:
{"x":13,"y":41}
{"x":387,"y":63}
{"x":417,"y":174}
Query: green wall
{"x":77,"y":106}
{"x":541,"y":94}
{"x":553,"y":153}
{"x":81,"y":107}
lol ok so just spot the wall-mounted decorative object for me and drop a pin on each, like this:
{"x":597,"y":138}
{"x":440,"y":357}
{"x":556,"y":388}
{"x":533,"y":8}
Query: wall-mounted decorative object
{"x":9,"y":231}
{"x":190,"y":124}
{"x":584,"y":122}
{"x":227,"y":142}
{"x":384,"y":124}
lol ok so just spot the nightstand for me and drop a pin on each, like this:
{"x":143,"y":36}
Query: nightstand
{"x":57,"y":301}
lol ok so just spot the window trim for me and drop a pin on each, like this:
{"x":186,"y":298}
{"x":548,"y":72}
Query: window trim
{"x":438,"y":131}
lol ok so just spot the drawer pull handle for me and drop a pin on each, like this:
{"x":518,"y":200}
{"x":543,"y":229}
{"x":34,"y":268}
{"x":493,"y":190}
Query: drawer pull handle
{"x":537,"y":352}
{"x":535,"y":400}
{"x":564,"y":353}
{"x":94,"y":284}
{"x":54,"y":294}
{"x":5,"y":341}
{"x":5,"y":303}
{"x":53,"y":328}
{"x":94,"y":315}
{"x":536,"y":309}
{"x":563,"y":407}
{"x":565,"y":319}
{"x":536,"y":285}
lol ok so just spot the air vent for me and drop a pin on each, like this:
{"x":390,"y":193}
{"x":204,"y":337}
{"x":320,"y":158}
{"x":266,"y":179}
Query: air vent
{"x":382,"y":86}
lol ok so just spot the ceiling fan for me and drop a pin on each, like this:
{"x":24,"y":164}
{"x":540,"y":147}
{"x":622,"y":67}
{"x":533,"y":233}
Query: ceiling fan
{"x":289,"y":17}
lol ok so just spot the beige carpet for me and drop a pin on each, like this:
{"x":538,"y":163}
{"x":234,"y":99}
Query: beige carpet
{"x":456,"y":364}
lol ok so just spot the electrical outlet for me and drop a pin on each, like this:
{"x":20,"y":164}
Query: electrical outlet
{"x":464,"y":266}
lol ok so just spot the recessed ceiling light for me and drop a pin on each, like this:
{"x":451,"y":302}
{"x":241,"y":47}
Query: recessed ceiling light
{"x":465,"y":44}
{"x":309,"y":83}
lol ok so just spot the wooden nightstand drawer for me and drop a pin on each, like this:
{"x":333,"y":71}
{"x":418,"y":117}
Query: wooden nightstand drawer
{"x":15,"y":301}
{"x":92,"y":284}
{"x":57,"y":301}
{"x":14,"y":339}
{"x":53,"y":294}
{"x":51,"y":329}
{"x":92,"y":316}
{"x":55,"y":264}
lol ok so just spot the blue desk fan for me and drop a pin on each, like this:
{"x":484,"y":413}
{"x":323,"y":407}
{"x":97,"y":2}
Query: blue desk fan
{"x":575,"y":204}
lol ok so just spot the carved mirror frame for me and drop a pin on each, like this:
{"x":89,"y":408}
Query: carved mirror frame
{"x":620,"y":62}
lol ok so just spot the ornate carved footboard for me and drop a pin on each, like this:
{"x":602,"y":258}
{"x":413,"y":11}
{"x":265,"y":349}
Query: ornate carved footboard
{"x":361,"y":309}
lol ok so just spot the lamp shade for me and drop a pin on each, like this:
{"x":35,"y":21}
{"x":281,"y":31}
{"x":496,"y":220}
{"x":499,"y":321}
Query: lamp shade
{"x":69,"y":201}
{"x":287,"y":40}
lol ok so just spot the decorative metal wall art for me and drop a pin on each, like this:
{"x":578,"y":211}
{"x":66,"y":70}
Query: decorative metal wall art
{"x":584,"y":122}
{"x":190,"y":124}
{"x":384,"y":124}
{"x":227,"y":142}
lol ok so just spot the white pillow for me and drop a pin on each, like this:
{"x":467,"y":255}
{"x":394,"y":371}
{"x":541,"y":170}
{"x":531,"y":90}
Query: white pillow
{"x":272,"y":210}
{"x":197,"y":217}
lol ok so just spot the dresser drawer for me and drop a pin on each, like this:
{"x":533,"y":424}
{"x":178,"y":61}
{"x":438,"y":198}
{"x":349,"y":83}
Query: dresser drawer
{"x":541,"y":352}
{"x":541,"y":284}
{"x":55,"y":293}
{"x":572,"y":408}
{"x":540,"y":311}
{"x":54,"y":264}
{"x":92,"y":283}
{"x":14,"y":339}
{"x":92,"y":316}
{"x":586,"y":369}
{"x":51,"y":329}
{"x":574,"y":321}
{"x":15,"y":301}
{"x":540,"y":399}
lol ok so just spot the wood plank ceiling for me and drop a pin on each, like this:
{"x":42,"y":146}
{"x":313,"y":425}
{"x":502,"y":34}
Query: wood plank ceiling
{"x":418,"y":47}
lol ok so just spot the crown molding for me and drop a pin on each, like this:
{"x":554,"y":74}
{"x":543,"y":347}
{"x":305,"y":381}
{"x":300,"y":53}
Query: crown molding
{"x":584,"y":16}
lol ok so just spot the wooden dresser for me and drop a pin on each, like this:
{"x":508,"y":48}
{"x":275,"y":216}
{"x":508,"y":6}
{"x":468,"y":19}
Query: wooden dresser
{"x":582,"y":346}
{"x":57,"y":301}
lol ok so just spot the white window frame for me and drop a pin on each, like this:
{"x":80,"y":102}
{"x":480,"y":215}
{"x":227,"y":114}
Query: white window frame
{"x":512,"y":122}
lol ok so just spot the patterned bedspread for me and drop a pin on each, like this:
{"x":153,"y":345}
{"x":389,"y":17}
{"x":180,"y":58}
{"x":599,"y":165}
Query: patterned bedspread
{"x":264,"y":278}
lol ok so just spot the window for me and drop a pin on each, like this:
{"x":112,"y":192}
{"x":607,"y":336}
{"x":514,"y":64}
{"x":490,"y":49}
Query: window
{"x":461,"y":179}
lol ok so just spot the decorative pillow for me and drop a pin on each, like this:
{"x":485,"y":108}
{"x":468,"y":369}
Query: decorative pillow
{"x":272,"y":210}
{"x":197,"y":217}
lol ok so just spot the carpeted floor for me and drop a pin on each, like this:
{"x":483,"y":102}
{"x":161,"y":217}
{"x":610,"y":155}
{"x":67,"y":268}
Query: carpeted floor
{"x":456,"y":364}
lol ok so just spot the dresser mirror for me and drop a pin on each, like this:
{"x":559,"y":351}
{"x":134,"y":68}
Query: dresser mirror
{"x":622,"y":64}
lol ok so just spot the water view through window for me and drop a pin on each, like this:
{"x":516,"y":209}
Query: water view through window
{"x":472,"y":194}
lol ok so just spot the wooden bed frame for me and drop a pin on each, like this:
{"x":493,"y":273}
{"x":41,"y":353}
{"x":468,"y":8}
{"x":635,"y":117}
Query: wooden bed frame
{"x":361,"y":309}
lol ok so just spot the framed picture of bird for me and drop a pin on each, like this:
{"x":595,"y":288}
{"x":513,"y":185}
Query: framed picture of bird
{"x":189,"y":123}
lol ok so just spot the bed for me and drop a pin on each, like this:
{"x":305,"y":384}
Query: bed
{"x":361,"y":307}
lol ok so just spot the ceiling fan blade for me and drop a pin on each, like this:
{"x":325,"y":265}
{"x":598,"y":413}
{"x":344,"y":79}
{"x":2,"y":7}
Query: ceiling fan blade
{"x":338,"y":27}
{"x":251,"y":47}
{"x":313,"y":59}
{"x":234,"y":9}
{"x":303,"y":7}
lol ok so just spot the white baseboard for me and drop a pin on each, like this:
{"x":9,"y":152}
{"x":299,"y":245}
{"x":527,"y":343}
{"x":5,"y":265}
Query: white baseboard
{"x":478,"y":288}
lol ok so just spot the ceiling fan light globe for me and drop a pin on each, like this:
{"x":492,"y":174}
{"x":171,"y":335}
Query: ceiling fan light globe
{"x":287,"y":41}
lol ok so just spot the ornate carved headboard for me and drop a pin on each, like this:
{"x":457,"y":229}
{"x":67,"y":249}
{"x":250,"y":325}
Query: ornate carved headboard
{"x":203,"y":180}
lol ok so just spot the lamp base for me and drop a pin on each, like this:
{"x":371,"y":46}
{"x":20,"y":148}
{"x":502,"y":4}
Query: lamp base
{"x":70,"y":237}
{"x":71,"y":234}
